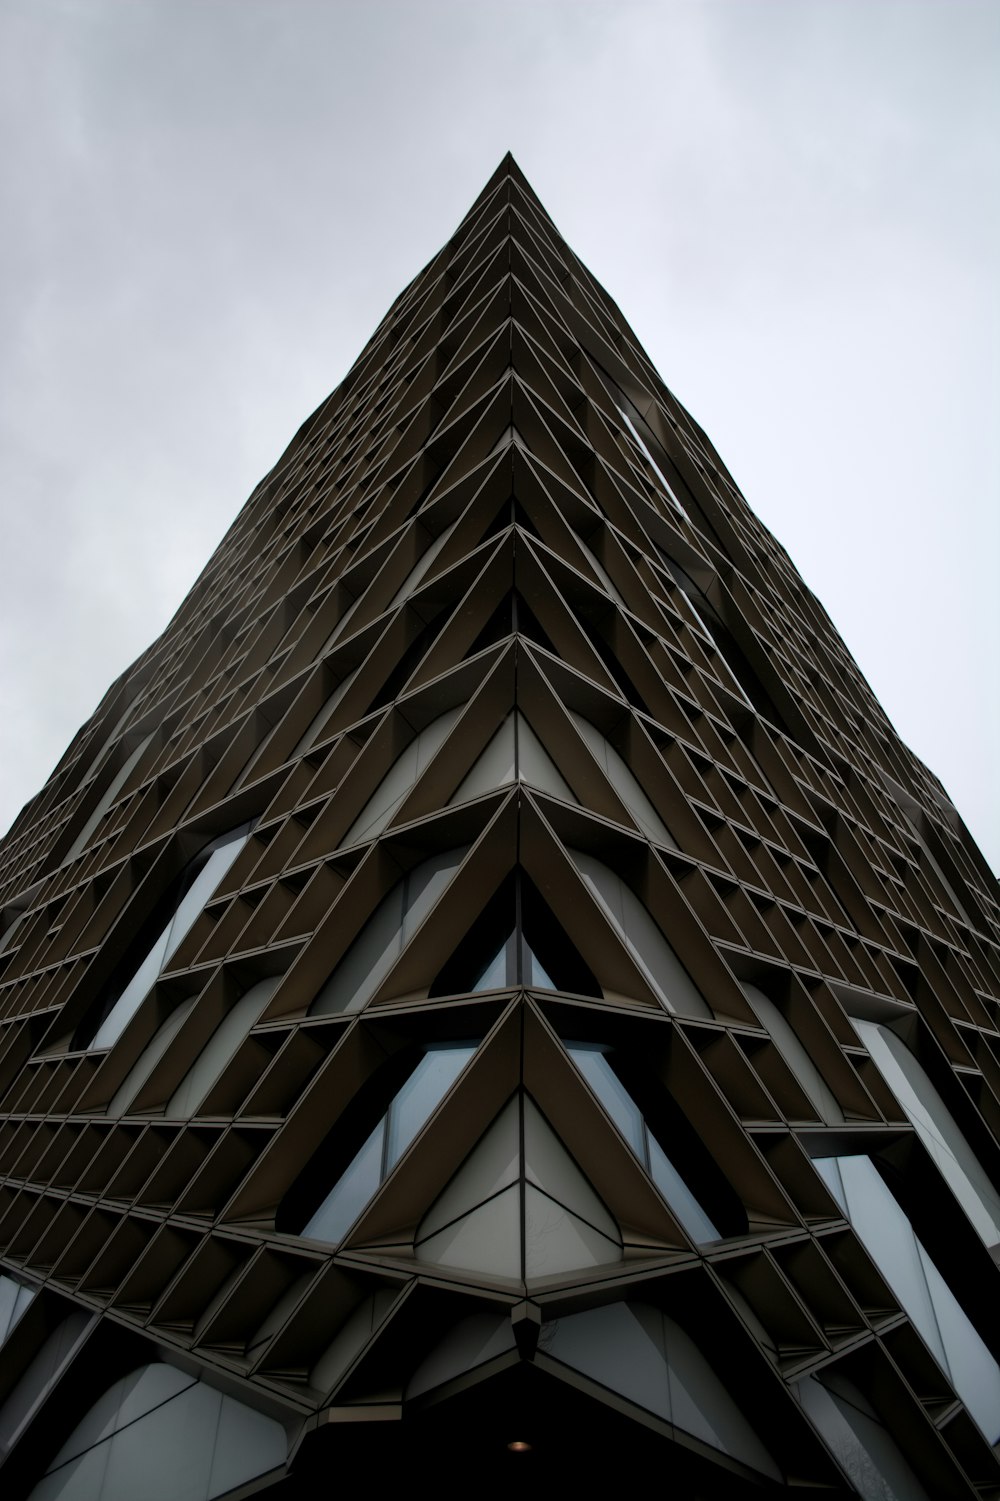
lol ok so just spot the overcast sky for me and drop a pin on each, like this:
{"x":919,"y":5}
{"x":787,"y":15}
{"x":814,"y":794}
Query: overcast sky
{"x":207,"y":206}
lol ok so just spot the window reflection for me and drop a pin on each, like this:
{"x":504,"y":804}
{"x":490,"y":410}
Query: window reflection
{"x":936,"y":1127}
{"x":408,"y":1112}
{"x":650,"y":951}
{"x":201,"y":878}
{"x":591,"y":1060}
{"x":383,"y":938}
{"x":923,"y":1293}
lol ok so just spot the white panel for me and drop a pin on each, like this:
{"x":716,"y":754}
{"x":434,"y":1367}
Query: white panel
{"x":488,"y":1240}
{"x":220,"y":1049}
{"x":99,"y":1422}
{"x":495,"y":767}
{"x":160,"y":1435}
{"x":809,"y":1078}
{"x":548,"y":1165}
{"x":80,"y":1479}
{"x":421,"y":566}
{"x":493,"y":1164}
{"x":611,"y":1347}
{"x":425,"y":884}
{"x":636,"y":1350}
{"x":936,"y":1127}
{"x":556,"y":1241}
{"x":974,"y":1373}
{"x":535,"y":765}
{"x":14,"y":1299}
{"x":148,"y":1388}
{"x":696,"y":1389}
{"x":863,"y":1449}
{"x":891,"y":1243}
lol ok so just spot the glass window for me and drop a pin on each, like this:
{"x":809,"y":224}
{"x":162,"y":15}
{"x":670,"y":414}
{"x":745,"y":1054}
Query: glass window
{"x":932,"y":1307}
{"x":220,"y":1048}
{"x":650,"y":951}
{"x":415,"y":1102}
{"x":593,"y":1064}
{"x":625,"y":784}
{"x":936,"y":1127}
{"x":383,"y":938}
{"x":398,"y":780}
{"x":14,"y":1299}
{"x":809,"y":1078}
{"x":45,"y":1367}
{"x":108,"y":797}
{"x":201,"y":879}
{"x":515,"y":940}
{"x":514,"y":753}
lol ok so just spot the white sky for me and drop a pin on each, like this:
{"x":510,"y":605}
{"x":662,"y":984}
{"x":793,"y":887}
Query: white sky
{"x":209,"y":204}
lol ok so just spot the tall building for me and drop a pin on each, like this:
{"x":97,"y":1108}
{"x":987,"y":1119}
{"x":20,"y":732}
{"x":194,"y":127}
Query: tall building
{"x":488,"y":991}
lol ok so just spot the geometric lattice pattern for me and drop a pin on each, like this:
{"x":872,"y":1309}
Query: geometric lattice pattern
{"x":489,"y":987}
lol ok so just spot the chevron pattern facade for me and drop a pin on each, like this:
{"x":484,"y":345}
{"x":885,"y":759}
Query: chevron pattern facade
{"x":488,"y":986}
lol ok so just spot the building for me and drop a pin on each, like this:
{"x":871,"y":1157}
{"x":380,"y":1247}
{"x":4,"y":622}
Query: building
{"x":488,"y":990}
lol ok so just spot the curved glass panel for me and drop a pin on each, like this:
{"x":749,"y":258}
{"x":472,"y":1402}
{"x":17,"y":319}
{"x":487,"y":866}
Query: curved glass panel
{"x":220,"y":1049}
{"x":382,"y":939}
{"x":106,"y":800}
{"x":595,"y":1068}
{"x":650,"y":951}
{"x":932,"y":1307}
{"x":150,"y":1057}
{"x":207,"y":871}
{"x":808,"y":1076}
{"x":398,"y":780}
{"x":319,"y":720}
{"x":936,"y":1126}
{"x":625,"y":784}
{"x":409,"y":1111}
{"x":14,"y":1299}
{"x":51,"y":1360}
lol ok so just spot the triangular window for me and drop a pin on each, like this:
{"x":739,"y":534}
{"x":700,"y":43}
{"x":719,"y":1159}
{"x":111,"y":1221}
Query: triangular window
{"x":317,"y":1211}
{"x":516,"y":940}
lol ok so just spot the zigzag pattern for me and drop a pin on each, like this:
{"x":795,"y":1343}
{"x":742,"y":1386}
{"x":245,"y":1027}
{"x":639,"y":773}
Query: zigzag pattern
{"x":490,"y":977}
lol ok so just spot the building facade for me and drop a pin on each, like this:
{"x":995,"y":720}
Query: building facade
{"x":488,"y":991}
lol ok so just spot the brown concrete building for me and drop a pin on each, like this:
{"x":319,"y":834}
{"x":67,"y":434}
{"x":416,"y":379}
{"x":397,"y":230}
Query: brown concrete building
{"x":488,"y":994}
